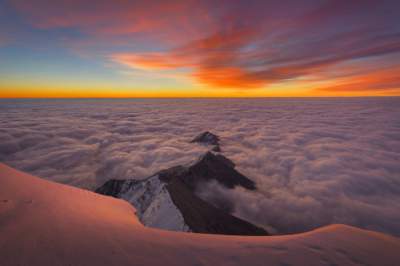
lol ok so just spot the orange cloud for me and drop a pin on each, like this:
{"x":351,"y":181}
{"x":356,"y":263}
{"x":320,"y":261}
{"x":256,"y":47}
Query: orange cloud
{"x":148,"y":61}
{"x":381,"y":80}
{"x":222,"y":60}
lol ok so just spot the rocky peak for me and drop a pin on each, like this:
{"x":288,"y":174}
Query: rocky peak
{"x":217,"y":167}
{"x":208,"y":138}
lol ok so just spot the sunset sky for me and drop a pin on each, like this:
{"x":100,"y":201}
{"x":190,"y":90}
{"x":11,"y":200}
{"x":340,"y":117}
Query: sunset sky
{"x":122,"y":48}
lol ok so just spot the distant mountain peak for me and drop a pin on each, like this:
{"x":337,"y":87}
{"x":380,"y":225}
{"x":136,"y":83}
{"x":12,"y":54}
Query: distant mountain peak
{"x":208,"y":138}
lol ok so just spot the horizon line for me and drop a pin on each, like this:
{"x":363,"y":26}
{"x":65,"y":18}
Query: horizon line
{"x":201,"y":97}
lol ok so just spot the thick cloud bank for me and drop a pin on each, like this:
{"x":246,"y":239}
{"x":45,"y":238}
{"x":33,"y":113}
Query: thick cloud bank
{"x":315,"y":161}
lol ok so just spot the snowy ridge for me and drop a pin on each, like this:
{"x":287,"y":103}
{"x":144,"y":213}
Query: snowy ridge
{"x":78,"y":227}
{"x":153,"y":203}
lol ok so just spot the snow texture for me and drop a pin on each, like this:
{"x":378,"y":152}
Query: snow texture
{"x":45,"y":223}
{"x":153,"y":203}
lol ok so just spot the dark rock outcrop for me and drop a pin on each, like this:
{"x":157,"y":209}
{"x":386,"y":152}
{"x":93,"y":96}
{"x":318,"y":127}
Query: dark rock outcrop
{"x":202,"y":217}
{"x":209,"y":167}
{"x":111,"y":188}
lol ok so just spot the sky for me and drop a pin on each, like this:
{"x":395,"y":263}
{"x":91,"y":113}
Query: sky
{"x":190,"y":48}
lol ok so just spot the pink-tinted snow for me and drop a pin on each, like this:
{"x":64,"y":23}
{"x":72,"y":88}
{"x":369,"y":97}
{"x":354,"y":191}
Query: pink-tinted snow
{"x":45,"y":223}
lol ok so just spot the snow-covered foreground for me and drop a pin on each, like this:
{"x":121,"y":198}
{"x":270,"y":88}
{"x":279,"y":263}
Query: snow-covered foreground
{"x":44,"y":223}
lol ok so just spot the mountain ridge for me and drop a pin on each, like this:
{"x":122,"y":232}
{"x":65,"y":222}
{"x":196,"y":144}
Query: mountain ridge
{"x":191,"y":213}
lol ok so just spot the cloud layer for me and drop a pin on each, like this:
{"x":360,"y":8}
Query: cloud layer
{"x":315,"y":161}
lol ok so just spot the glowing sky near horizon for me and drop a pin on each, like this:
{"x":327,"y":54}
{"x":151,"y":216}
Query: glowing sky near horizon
{"x":143,"y":48}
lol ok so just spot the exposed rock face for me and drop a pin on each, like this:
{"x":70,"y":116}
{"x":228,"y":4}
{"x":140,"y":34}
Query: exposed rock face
{"x":210,"y":167}
{"x":167,"y":199}
{"x":208,"y":138}
{"x":202,"y":217}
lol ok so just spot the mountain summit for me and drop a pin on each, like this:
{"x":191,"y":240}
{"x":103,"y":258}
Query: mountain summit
{"x":167,"y":199}
{"x":208,"y":138}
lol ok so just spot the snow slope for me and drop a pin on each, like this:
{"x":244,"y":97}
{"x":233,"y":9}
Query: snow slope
{"x":153,"y":204}
{"x":44,"y":223}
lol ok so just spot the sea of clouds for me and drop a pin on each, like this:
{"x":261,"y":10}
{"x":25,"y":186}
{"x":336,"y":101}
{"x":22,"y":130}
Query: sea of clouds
{"x":315,"y":161}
